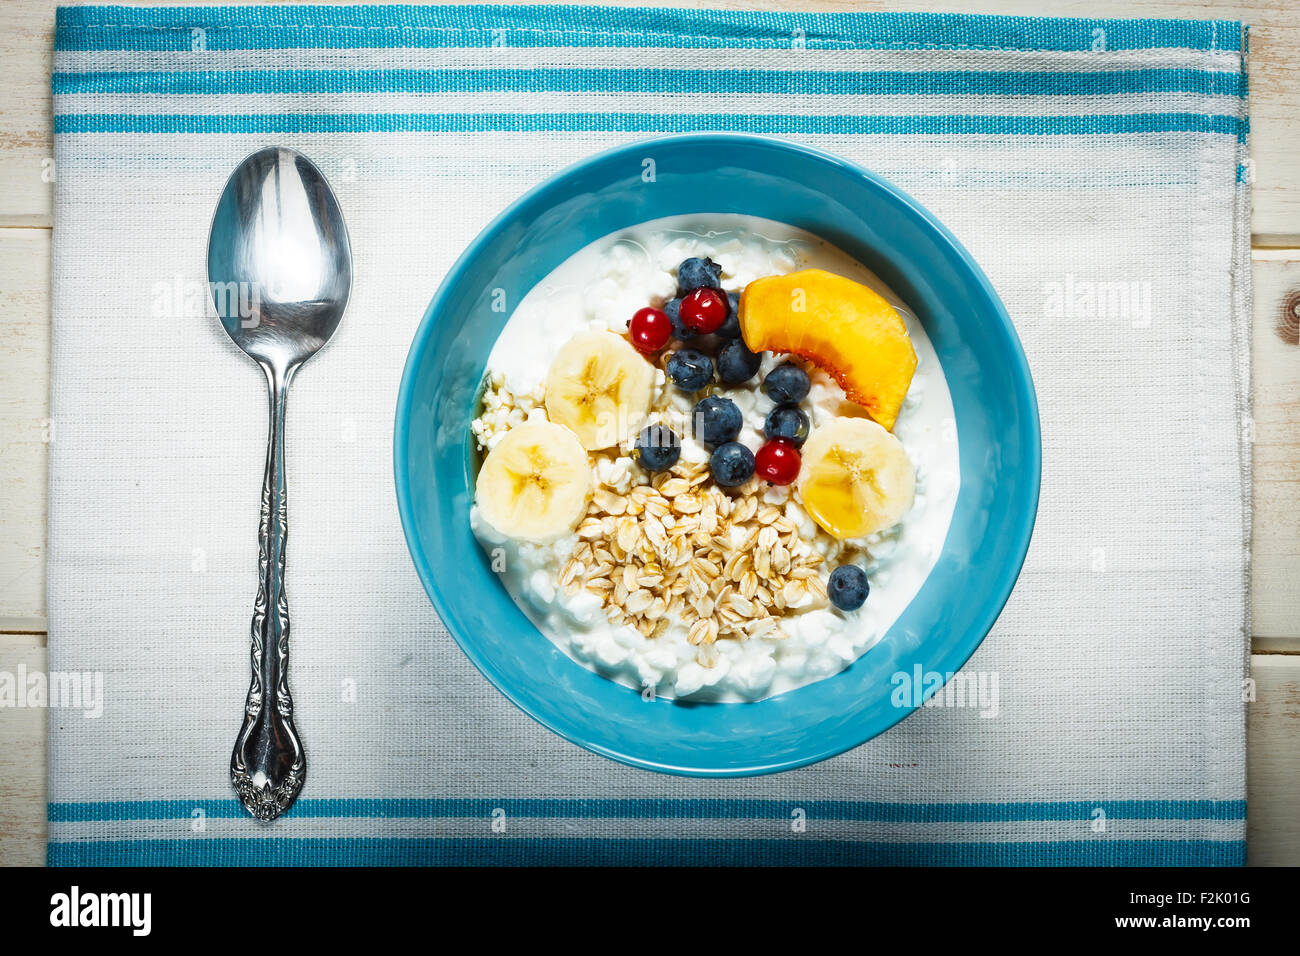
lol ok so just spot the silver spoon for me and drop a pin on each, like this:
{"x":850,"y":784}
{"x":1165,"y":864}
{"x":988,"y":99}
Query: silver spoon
{"x":280,"y":271}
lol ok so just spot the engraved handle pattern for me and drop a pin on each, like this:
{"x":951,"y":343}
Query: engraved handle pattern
{"x":268,"y":765}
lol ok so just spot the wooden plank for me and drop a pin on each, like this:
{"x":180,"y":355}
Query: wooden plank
{"x":1273,"y":762}
{"x":1275,"y":546}
{"x":22,"y":766}
{"x":26,"y":146}
{"x":27,"y":29}
{"x":1273,"y":748}
{"x":24,"y":425}
{"x":24,"y":404}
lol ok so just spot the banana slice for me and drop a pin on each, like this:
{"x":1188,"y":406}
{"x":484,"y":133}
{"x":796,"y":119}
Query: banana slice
{"x":535,"y":483}
{"x":856,"y":478}
{"x":600,"y":387}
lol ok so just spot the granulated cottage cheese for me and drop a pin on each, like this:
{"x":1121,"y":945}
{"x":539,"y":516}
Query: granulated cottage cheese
{"x":599,"y":288}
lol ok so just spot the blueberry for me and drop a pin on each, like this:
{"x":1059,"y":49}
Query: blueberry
{"x":786,"y":384}
{"x":696,"y":273}
{"x":736,"y":363}
{"x":717,"y":420}
{"x":690,"y":370}
{"x":730,"y":329}
{"x":788,"y":422}
{"x":732,"y":464}
{"x":658,"y":448}
{"x":847,"y":587}
{"x":673,"y":309}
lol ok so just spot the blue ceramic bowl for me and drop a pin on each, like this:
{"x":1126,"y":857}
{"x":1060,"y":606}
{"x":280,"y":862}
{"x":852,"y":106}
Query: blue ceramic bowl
{"x":997,"y":427}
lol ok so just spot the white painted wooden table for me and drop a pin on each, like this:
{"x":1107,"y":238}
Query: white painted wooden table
{"x":26,"y":44}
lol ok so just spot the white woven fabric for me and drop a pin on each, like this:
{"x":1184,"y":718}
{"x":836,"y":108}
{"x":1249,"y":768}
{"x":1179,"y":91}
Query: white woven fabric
{"x":1120,"y":657}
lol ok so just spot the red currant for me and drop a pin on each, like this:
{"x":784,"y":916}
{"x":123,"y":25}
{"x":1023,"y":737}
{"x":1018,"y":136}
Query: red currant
{"x":650,"y":330}
{"x":704,"y":311}
{"x":778,"y":462}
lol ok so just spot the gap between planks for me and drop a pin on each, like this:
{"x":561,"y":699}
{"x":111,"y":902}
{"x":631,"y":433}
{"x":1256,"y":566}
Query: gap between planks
{"x":1260,"y":241}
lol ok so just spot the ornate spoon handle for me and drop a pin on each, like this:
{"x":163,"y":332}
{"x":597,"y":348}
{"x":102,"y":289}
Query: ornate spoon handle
{"x":268,"y":765}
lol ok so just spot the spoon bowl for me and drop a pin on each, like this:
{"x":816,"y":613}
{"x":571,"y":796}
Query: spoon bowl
{"x":279,"y":260}
{"x":280,"y":273}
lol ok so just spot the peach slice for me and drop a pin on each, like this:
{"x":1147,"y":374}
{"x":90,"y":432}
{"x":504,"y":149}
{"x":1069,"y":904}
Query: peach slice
{"x":840,"y":325}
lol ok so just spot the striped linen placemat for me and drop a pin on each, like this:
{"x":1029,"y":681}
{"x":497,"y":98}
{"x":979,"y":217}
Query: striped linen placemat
{"x":1095,"y":168}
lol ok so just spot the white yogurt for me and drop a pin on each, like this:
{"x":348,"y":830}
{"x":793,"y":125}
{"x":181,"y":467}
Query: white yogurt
{"x":600,"y":287}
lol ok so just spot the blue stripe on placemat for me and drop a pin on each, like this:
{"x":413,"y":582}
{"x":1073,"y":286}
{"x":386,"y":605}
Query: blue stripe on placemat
{"x":647,"y":123}
{"x":171,"y":28}
{"x":802,"y":82}
{"x":511,"y":851}
{"x":706,"y":809}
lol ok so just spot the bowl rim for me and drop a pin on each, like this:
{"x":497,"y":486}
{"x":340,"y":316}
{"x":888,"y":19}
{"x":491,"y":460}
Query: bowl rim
{"x":1024,"y":384}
